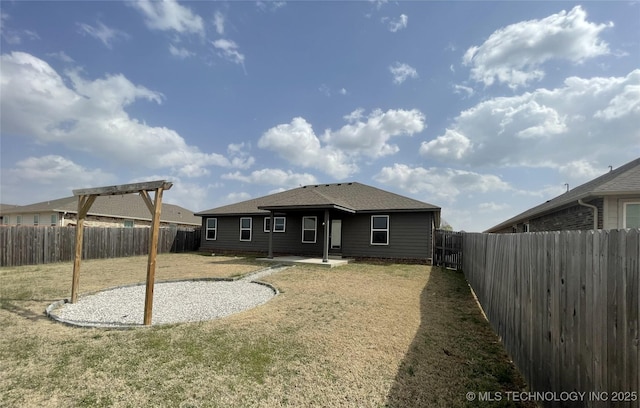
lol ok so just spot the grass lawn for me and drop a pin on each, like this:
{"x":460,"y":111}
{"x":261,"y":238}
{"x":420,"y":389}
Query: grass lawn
{"x":360,"y":335}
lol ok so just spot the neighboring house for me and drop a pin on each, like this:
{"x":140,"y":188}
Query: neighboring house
{"x":611,"y":201}
{"x":107,"y":211}
{"x":343,"y":219}
{"x":3,"y":208}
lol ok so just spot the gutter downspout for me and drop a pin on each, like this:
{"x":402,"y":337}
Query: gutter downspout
{"x":595,"y":213}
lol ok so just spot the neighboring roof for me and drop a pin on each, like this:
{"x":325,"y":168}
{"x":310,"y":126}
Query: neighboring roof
{"x":350,"y":197}
{"x":625,"y":180}
{"x":129,"y":206}
{"x":6,"y":207}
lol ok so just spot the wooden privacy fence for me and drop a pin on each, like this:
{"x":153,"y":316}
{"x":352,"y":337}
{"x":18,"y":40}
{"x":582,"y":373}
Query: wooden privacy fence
{"x":566,"y":306}
{"x":447,"y":249}
{"x":29,"y":245}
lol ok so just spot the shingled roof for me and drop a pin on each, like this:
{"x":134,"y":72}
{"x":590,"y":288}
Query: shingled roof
{"x":350,"y":197}
{"x":625,"y":180}
{"x":129,"y":206}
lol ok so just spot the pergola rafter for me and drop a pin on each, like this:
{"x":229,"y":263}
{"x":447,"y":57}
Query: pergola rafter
{"x":86,"y":198}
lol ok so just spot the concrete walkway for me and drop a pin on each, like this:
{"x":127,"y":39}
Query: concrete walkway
{"x":294,"y":260}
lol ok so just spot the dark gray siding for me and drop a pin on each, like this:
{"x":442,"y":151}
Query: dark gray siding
{"x":288,"y":242}
{"x":410,"y":236}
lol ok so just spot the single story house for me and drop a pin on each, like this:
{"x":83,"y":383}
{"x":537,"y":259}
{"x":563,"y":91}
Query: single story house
{"x":344,"y":219}
{"x":107,"y":211}
{"x":611,"y":201}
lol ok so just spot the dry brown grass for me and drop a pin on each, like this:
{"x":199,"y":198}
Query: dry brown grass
{"x":355,"y":336}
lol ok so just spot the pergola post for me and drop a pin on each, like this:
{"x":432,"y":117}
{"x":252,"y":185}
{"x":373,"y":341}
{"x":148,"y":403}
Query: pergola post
{"x":270,"y":255}
{"x":153,"y":250}
{"x":84,"y":204}
{"x":325,"y":248}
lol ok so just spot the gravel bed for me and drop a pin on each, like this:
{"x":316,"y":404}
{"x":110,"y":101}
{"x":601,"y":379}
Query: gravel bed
{"x":173,"y":302}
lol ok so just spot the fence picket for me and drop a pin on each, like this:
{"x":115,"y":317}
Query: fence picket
{"x":32,"y":245}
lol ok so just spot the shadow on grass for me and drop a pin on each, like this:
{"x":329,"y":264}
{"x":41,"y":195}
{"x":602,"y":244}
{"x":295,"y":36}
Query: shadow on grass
{"x":454,"y":352}
{"x":6,"y":304}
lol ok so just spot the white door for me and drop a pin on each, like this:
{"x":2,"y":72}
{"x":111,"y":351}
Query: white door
{"x":336,"y":234}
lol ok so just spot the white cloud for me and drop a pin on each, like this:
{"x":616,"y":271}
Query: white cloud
{"x":229,"y":51}
{"x":270,"y":5}
{"x":336,"y":152}
{"x":236,"y":197}
{"x":239,"y":157}
{"x":179,"y":52}
{"x":192,"y":196}
{"x":491,"y":207}
{"x":62,"y":56}
{"x":218,"y":22}
{"x":462,"y":89}
{"x":343,"y":91}
{"x":580,"y":170}
{"x":14,"y":37}
{"x":443,"y":184}
{"x":401,"y":72}
{"x":274,"y":177}
{"x":103,"y":33}
{"x":90,"y":116}
{"x":297,"y":143}
{"x":48,"y":177}
{"x":399,"y":23}
{"x":451,"y":145}
{"x":586,"y":119}
{"x":379,"y":3}
{"x":514,"y":54}
{"x":371,"y":137}
{"x":168,"y":15}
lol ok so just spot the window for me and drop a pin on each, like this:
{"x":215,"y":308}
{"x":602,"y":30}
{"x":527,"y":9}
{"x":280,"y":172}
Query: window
{"x":36,"y":220}
{"x":309,"y":226}
{"x":379,"y":230}
{"x":19,"y":220}
{"x":632,"y":215}
{"x":5,"y":219}
{"x":211,"y":232}
{"x":245,"y":229}
{"x":54,"y":220}
{"x":526,"y":227}
{"x":279,"y":224}
{"x":128,"y":223}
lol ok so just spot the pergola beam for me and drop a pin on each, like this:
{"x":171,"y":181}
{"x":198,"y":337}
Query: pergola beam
{"x":86,"y":198}
{"x":124,"y":188}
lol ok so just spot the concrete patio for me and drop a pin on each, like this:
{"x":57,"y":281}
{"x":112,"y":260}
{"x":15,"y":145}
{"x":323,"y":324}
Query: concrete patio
{"x":301,"y":260}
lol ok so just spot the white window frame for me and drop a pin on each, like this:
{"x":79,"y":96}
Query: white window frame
{"x":380,"y":230}
{"x":315,"y":229}
{"x":54,"y":219}
{"x":36,"y":220}
{"x":624,"y":212}
{"x":19,"y":220}
{"x":275,"y":223}
{"x":207,"y":228}
{"x":245,"y":229}
{"x":132,"y":222}
{"x":6,"y":220}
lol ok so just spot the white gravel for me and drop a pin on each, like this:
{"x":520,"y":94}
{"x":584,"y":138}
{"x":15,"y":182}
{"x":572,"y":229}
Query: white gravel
{"x":173,"y":302}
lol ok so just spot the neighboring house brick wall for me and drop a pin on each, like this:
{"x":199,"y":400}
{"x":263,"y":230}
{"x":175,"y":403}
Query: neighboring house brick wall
{"x":575,"y":217}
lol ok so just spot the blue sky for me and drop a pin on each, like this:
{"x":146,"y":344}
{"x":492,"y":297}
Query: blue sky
{"x":482,"y":108}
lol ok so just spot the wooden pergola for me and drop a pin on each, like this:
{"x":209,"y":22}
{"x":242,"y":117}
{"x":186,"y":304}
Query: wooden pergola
{"x":86,"y":198}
